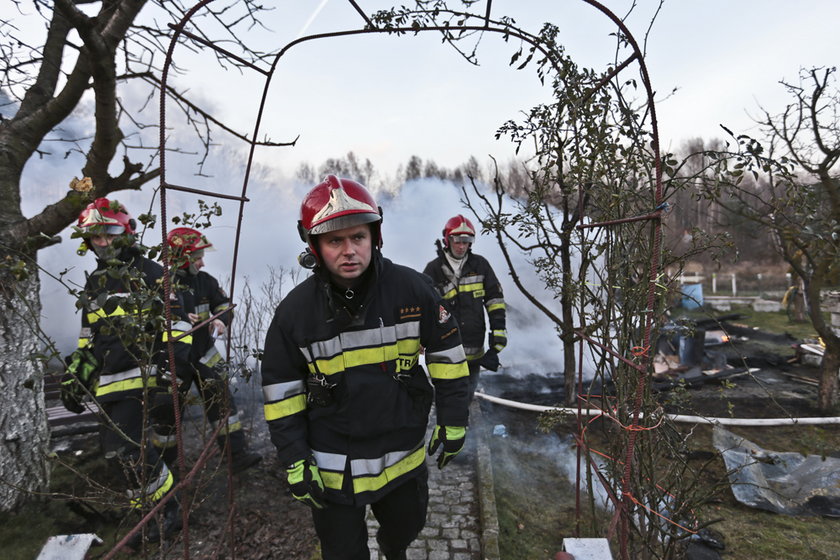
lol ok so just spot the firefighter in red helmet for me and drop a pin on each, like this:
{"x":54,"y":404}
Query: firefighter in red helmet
{"x":346,"y":399}
{"x":203,"y":297}
{"x":120,"y":357}
{"x":469,"y":287}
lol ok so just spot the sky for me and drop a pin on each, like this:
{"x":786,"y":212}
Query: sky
{"x":388,"y":98}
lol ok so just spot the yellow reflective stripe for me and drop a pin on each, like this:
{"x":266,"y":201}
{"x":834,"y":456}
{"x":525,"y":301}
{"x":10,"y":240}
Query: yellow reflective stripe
{"x":159,"y":493}
{"x":398,"y":469}
{"x":332,"y":480}
{"x":495,"y":306}
{"x":500,"y":333}
{"x":186,"y":340}
{"x":355,"y":358}
{"x":83,"y":343}
{"x":127,"y":385}
{"x":94,"y":316}
{"x":448,"y":371}
{"x":450,"y":294}
{"x":162,"y":441}
{"x":477,"y":355}
{"x":473,"y":287}
{"x":281,"y":409}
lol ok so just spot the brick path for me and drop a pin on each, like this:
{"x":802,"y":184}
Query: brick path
{"x":454,"y":521}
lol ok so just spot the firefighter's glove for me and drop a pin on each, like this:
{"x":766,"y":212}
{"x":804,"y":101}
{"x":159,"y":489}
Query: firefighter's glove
{"x":78,"y":379}
{"x":306,"y":484}
{"x":452,"y":440}
{"x":490,"y":360}
{"x":498,"y":340}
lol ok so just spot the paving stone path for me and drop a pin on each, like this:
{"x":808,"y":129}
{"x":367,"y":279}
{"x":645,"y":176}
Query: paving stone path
{"x":453,"y":523}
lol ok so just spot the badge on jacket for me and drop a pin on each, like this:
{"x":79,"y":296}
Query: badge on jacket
{"x":443,"y":315}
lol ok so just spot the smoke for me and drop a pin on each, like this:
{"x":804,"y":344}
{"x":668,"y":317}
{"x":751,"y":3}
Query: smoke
{"x":269,"y":244}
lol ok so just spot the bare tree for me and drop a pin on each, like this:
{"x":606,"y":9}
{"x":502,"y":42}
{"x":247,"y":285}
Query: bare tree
{"x":794,"y":164}
{"x":79,"y":60}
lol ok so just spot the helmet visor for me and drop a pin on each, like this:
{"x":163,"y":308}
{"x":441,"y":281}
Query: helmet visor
{"x":346,"y":221}
{"x":462,"y":238}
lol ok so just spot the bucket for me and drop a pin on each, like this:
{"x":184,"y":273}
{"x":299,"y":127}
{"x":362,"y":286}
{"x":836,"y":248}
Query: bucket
{"x":692,"y":296}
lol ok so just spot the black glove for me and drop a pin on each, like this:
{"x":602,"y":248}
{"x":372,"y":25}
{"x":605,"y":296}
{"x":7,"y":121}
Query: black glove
{"x":306,"y":484}
{"x":77,"y":382}
{"x":452,"y":438}
{"x":490,"y":360}
{"x":497,"y":339}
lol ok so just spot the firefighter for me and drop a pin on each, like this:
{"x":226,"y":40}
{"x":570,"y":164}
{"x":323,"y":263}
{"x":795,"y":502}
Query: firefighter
{"x":121,"y":358}
{"x":202,"y":298}
{"x":346,"y":399}
{"x":469,"y":287}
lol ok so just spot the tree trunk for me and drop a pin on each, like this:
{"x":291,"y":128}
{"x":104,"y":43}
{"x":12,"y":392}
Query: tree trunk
{"x":827,"y":394}
{"x":23,"y":417}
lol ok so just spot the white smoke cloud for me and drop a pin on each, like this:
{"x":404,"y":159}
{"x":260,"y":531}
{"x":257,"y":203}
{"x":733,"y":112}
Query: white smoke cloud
{"x":413,"y":219}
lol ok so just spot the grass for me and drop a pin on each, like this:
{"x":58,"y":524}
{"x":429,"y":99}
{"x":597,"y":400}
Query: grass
{"x":536,"y":503}
{"x":770,"y":321}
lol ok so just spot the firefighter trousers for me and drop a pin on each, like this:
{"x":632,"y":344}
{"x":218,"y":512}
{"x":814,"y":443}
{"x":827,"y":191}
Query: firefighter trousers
{"x":401,"y":514}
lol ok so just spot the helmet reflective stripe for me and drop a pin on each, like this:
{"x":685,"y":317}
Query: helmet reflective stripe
{"x":339,"y":202}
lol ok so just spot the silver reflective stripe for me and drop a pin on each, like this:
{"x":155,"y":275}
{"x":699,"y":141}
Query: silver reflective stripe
{"x":93,"y":306}
{"x":330,"y":461}
{"x":364,"y":467}
{"x":211,"y":357}
{"x":494,"y":301}
{"x":368,"y":337}
{"x":408,"y":330}
{"x":280,"y":391}
{"x":124,"y":375}
{"x":152,"y":486}
{"x":452,"y":356}
{"x":473,"y":279}
{"x":182,"y":326}
{"x":472,"y":350}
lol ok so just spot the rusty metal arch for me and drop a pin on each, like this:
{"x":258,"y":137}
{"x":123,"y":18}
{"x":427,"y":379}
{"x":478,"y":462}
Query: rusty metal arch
{"x":492,"y":26}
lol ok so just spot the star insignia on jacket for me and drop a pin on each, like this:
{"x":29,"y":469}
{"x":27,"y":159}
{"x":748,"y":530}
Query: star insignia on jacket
{"x":412,"y":311}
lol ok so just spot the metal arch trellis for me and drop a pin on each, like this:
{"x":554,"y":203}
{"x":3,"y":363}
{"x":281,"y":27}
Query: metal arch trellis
{"x":642,"y":361}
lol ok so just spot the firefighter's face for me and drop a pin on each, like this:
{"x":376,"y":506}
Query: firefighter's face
{"x":346,"y":253}
{"x":458,"y":248}
{"x":102,"y":240}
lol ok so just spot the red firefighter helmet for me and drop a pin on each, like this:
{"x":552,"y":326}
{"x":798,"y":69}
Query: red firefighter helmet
{"x":103,"y":216}
{"x":337,"y":204}
{"x":185,"y":241}
{"x":460,"y":227}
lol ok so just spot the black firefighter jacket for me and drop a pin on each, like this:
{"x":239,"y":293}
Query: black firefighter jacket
{"x":203,"y":296}
{"x":368,"y":437}
{"x":467,"y":297}
{"x":121,"y":300}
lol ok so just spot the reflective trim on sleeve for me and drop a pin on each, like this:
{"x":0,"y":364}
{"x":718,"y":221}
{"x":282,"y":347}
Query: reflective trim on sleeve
{"x":449,"y":356}
{"x":211,"y":357}
{"x":494,"y":304}
{"x":448,"y":371}
{"x":281,"y":409}
{"x":280,"y":391}
{"x":127,"y":380}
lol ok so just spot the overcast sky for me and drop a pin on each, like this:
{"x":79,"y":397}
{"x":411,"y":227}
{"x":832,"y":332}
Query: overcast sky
{"x":387,"y":98}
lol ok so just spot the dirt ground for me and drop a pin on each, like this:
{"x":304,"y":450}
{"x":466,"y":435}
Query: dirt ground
{"x":267,"y":523}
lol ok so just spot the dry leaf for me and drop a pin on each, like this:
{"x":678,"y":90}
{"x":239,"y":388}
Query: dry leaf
{"x":83,"y":185}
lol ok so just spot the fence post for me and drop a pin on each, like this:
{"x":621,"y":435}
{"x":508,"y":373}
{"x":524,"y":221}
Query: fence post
{"x":734,"y":285}
{"x":714,"y":282}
